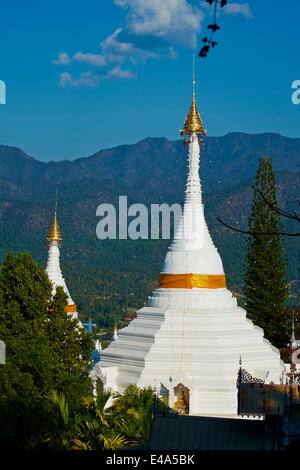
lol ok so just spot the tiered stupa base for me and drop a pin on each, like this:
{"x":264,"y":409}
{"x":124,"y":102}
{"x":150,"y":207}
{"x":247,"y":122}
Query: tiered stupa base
{"x":193,"y":337}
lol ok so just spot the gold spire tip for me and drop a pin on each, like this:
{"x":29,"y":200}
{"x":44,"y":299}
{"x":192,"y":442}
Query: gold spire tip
{"x":193,"y":121}
{"x":54,"y":232}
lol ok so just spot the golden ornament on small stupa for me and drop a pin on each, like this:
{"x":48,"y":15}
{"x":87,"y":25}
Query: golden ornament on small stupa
{"x":54,"y":233}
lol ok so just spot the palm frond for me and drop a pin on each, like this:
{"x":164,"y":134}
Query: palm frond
{"x":78,"y":444}
{"x":113,"y":441}
{"x":59,"y":400}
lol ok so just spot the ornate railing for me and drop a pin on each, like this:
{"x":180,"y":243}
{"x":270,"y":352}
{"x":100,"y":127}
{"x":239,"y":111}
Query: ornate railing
{"x":244,"y":377}
{"x":248,"y":406}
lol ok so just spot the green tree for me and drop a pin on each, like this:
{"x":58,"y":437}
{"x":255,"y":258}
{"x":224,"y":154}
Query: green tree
{"x":90,"y":428}
{"x":73,"y":347}
{"x":45,"y":349}
{"x":134,"y":411}
{"x":62,"y":428}
{"x":100,"y":428}
{"x":265,"y":275}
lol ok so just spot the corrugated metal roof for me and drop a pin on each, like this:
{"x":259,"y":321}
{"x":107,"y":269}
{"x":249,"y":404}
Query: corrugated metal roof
{"x":204,"y":433}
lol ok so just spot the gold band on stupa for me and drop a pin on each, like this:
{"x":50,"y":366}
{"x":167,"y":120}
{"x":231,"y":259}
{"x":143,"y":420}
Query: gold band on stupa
{"x":188,"y":281}
{"x":71,"y":308}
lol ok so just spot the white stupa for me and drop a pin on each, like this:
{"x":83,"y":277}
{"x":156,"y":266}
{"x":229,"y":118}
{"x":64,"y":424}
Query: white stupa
{"x":188,"y":340}
{"x":53,"y":265}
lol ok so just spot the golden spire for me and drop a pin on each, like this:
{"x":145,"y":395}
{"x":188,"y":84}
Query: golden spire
{"x":55,"y":233}
{"x":193,"y":121}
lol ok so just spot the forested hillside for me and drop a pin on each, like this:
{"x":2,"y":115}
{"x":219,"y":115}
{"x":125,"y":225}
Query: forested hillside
{"x":106,"y":277}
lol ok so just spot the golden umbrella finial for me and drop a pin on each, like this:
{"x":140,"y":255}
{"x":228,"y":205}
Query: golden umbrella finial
{"x":55,"y":233}
{"x":193,"y":121}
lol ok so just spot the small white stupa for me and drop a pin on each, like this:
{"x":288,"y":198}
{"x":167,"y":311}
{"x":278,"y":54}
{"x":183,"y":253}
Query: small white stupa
{"x":53,"y":265}
{"x":189,"y":338}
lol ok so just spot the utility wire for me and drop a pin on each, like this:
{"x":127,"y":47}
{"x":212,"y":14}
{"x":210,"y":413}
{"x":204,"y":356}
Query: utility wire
{"x":279,"y":211}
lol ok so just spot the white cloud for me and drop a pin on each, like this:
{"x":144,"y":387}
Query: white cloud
{"x":91,"y":59}
{"x":239,"y":8}
{"x":116,"y":50}
{"x":151,"y":29}
{"x":63,"y":59}
{"x":92,"y":79}
{"x":173,"y":20}
{"x":86,"y":79}
{"x":117,"y":72}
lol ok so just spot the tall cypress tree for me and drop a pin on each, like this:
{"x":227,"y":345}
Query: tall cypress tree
{"x":265,"y":276}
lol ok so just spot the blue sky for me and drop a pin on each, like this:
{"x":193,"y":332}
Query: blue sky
{"x":86,"y":75}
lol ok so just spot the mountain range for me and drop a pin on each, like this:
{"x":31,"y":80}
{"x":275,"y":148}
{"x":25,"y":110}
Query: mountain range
{"x":106,"y":275}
